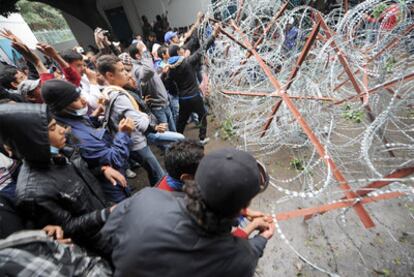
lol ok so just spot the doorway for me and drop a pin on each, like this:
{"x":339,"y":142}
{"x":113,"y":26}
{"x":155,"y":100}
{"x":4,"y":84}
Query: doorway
{"x":120,"y":25}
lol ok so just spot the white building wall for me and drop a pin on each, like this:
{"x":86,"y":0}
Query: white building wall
{"x":183,"y":12}
{"x":82,"y":32}
{"x":180,"y":13}
{"x":16,"y":23}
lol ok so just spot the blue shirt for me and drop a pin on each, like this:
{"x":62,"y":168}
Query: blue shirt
{"x":97,"y":146}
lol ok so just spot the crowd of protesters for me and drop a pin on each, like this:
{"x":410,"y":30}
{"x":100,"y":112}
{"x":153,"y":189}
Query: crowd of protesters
{"x":69,"y":132}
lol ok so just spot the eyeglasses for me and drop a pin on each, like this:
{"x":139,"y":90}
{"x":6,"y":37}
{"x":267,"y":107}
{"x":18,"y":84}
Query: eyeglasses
{"x":264,"y":176}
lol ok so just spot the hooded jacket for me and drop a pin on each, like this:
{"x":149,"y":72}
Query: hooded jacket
{"x":51,"y":190}
{"x":150,"y":82}
{"x":96,"y":145}
{"x":183,"y":71}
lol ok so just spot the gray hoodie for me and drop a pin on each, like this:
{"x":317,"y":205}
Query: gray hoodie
{"x":119,"y":107}
{"x":150,"y":82}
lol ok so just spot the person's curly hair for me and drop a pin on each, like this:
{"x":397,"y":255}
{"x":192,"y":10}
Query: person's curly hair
{"x":205,"y":218}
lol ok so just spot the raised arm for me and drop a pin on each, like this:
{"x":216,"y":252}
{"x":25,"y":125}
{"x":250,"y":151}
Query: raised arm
{"x":146,"y":71}
{"x":22,"y":48}
{"x":70,"y":74}
{"x":51,"y":52}
{"x":195,"y":58}
{"x":195,"y":26}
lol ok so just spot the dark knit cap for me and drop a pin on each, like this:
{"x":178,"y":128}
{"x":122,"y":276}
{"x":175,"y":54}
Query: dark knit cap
{"x":228,"y":179}
{"x":58,"y":94}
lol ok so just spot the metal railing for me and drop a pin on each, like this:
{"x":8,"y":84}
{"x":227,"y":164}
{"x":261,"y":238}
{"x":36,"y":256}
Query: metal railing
{"x":54,"y":36}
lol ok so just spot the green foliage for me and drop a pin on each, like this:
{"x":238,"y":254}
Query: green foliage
{"x":389,"y":64}
{"x":227,"y":130}
{"x":383,"y":272}
{"x":41,"y":16}
{"x":7,"y":7}
{"x":379,"y":10}
{"x":297,"y":164}
{"x":354,"y":115}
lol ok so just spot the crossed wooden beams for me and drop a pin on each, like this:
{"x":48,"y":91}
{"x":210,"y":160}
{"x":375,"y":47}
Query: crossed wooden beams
{"x":352,"y":199}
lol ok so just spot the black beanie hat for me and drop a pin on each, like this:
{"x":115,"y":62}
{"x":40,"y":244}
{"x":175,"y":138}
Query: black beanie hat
{"x":228,"y":179}
{"x":59,"y":94}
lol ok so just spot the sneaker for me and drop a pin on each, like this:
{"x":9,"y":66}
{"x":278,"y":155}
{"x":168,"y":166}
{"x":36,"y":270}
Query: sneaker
{"x":130,"y":174}
{"x":205,"y":141}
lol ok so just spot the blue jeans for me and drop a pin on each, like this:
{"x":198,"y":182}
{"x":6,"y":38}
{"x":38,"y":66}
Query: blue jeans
{"x":116,"y":193}
{"x":149,"y":162}
{"x":175,"y":107}
{"x":164,"y":138}
{"x":164,"y":115}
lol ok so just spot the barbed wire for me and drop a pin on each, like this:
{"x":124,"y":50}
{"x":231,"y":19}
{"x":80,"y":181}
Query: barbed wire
{"x":368,"y":135}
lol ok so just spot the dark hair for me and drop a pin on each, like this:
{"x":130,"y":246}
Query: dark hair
{"x":205,"y":218}
{"x":71,"y":56}
{"x":106,"y":63}
{"x":173,"y":50}
{"x":162,"y":51}
{"x":133,"y":50}
{"x":92,"y":49}
{"x":183,"y":157}
{"x":8,"y":76}
{"x":158,"y":17}
{"x":152,"y":34}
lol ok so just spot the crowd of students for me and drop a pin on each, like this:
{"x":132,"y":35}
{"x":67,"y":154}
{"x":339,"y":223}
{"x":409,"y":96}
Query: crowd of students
{"x":69,"y":132}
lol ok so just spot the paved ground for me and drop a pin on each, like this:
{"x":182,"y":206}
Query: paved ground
{"x":343,"y":248}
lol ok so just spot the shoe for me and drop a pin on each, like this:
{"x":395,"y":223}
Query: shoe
{"x":130,"y":174}
{"x":133,"y":164}
{"x":205,"y":141}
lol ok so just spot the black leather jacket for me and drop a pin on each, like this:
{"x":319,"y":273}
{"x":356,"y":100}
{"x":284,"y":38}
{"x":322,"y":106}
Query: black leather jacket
{"x":58,"y":191}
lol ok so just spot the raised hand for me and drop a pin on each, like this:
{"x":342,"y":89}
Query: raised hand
{"x":200,"y":16}
{"x":47,"y":50}
{"x":217,"y":29}
{"x":52,"y":53}
{"x":9,"y":35}
{"x":91,"y":75}
{"x":126,"y":125}
{"x":24,"y":50}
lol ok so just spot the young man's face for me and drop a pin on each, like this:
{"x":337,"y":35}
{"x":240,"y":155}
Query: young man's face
{"x":78,"y":66}
{"x":57,"y":74}
{"x":119,"y":77}
{"x":175,"y":39}
{"x":181,"y":52}
{"x":56,"y":134}
{"x":165,"y":56}
{"x":19,"y":77}
{"x":132,"y":84}
{"x":78,"y":104}
{"x":35,"y":96}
